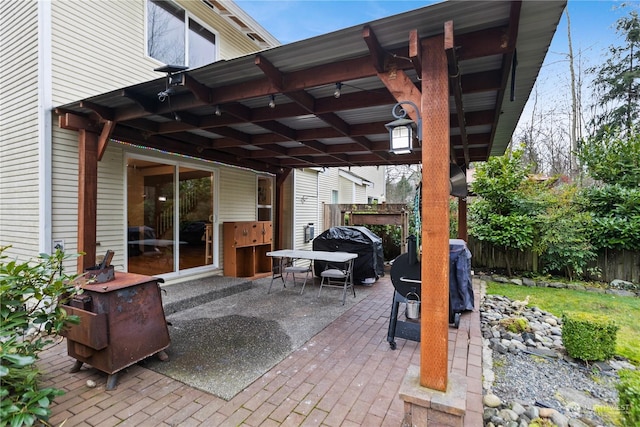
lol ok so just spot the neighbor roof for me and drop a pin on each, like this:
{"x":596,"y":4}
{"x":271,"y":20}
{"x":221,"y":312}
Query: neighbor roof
{"x":499,"y":49}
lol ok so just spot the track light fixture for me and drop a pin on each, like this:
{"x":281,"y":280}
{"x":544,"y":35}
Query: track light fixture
{"x":218,"y":111}
{"x":175,"y":77}
{"x":338,"y":91}
{"x":272,"y":101}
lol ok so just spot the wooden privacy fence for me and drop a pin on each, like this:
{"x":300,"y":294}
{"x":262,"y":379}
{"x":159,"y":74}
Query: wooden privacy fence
{"x":364,"y":214}
{"x":612,"y":264}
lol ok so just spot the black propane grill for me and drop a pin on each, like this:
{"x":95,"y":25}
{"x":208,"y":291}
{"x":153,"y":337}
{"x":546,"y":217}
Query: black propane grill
{"x":406,"y":279}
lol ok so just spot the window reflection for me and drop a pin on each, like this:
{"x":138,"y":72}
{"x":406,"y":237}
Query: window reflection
{"x":166,"y":34}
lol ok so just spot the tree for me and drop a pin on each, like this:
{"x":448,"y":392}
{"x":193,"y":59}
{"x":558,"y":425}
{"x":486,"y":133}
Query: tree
{"x":499,"y":215}
{"x":615,"y":213}
{"x":613,"y":157}
{"x":617,"y":81}
{"x":515,"y":211}
{"x":401,"y":183}
{"x":564,"y":236}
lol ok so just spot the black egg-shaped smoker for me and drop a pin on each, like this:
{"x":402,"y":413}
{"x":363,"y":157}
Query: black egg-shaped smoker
{"x":406,"y":278}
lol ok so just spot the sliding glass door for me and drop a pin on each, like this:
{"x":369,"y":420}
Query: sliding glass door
{"x":170,"y":214}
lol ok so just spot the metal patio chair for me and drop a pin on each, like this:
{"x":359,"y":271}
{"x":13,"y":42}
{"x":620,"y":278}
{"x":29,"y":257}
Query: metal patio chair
{"x":283,"y":267}
{"x":335,"y":277}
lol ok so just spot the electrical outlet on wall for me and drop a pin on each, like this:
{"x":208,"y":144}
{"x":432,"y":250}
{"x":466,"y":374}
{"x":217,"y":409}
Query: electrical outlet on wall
{"x":58,"y":244}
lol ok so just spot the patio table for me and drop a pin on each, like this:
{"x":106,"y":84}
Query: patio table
{"x":326,"y":256}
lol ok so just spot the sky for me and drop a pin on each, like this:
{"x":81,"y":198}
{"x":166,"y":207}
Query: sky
{"x":592,"y":29}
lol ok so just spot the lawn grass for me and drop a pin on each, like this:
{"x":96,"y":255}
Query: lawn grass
{"x":624,"y":311}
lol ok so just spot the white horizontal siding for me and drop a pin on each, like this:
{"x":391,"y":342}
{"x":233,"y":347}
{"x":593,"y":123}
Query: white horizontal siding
{"x":110,"y":230}
{"x":306,"y":205}
{"x":238,"y":199}
{"x":345,"y":191}
{"x":98,"y":46}
{"x":64,"y":185}
{"x":238,"y":189}
{"x":328,"y":180}
{"x":377,"y":177}
{"x":360,"y":194}
{"x":19,"y":187}
{"x":286,"y":229}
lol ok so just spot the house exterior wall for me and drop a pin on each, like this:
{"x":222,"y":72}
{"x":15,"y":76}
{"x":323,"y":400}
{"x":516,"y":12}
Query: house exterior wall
{"x":354,"y":186}
{"x":307,"y":208}
{"x":21,"y":134}
{"x":98,"y":46}
{"x":330,"y":179}
{"x":377,"y":177}
{"x":231,"y":41}
{"x":288,"y":212}
{"x":346,"y":191}
{"x":68,"y":50}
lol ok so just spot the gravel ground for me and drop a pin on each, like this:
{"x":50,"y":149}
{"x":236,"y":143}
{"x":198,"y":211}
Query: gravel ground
{"x":543,"y":377}
{"x":552,"y":383}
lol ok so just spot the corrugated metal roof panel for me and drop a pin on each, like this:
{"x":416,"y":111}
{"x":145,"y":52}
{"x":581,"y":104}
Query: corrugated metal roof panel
{"x":302,"y":76}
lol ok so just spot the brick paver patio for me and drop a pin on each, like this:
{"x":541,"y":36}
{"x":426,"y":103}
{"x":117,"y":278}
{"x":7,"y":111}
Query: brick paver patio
{"x":346,"y":375}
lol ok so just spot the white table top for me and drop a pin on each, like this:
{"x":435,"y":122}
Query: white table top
{"x":313,"y":255}
{"x":164,"y":243}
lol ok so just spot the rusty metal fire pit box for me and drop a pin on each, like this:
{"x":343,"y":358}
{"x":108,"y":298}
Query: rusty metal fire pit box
{"x":100,"y":275}
{"x":121,"y":322}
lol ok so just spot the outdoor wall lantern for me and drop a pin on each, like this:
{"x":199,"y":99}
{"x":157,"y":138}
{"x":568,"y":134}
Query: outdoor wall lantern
{"x":401,"y":130}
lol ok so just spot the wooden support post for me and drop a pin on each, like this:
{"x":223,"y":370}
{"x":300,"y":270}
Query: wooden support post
{"x":278,"y":219}
{"x":463,"y":232}
{"x":87,"y":197}
{"x":434,"y":329}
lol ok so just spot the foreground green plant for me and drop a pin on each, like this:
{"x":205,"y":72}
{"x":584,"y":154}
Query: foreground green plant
{"x":609,"y":414}
{"x":629,"y":397}
{"x":515,"y":325}
{"x":30,"y":318}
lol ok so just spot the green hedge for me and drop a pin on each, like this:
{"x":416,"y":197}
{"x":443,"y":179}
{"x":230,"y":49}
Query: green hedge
{"x":589,"y":337}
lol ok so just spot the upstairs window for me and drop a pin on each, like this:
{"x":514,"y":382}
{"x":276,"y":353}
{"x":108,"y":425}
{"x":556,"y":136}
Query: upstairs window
{"x":174,"y":38}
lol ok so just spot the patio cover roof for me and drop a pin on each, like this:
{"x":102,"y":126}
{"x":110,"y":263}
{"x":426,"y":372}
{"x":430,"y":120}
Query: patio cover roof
{"x":499,"y":47}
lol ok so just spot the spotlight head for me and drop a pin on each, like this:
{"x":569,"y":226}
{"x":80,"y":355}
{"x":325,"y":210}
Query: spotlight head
{"x":272,"y":102}
{"x":162,"y":95}
{"x":338,"y":91}
{"x":218,"y":111}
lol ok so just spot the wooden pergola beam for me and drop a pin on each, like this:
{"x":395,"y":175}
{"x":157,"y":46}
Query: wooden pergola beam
{"x":455,"y":82}
{"x":105,"y":135}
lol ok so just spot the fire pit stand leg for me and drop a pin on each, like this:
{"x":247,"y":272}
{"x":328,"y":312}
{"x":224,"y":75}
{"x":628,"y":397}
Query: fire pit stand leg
{"x":76,"y":367}
{"x":112,"y":382}
{"x":392,"y":323}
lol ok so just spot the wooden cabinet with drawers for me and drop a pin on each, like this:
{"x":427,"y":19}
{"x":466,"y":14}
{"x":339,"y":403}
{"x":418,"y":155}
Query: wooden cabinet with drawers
{"x":245,"y":245}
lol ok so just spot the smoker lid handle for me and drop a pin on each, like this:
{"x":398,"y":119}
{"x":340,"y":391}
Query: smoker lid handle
{"x":407,"y":280}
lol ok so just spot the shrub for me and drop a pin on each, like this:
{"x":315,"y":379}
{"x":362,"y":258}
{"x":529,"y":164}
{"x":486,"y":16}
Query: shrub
{"x":29,"y":318}
{"x":515,"y":325}
{"x":588,"y":336}
{"x":542,"y":422}
{"x":629,"y":397}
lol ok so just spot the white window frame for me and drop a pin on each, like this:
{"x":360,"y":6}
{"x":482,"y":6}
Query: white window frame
{"x":187,"y":16}
{"x":175,"y":164}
